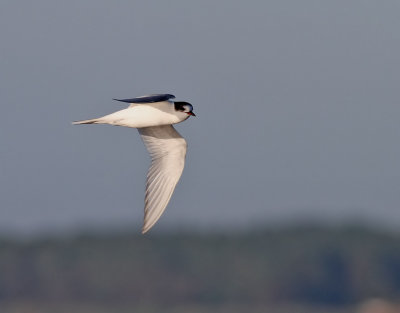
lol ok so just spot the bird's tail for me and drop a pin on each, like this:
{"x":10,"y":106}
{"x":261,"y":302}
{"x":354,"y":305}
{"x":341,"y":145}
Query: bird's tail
{"x":92,"y":121}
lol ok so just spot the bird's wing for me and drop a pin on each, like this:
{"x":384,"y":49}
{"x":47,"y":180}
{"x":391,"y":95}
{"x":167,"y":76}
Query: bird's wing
{"x":167,"y":150}
{"x":148,"y":99}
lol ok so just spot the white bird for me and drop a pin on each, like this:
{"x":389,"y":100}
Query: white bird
{"x":153,"y":116}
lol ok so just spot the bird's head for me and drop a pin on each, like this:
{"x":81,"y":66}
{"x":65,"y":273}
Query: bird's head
{"x":184,"y":107}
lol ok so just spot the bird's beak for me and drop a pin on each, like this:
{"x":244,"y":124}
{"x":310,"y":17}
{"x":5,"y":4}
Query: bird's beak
{"x":191,"y":113}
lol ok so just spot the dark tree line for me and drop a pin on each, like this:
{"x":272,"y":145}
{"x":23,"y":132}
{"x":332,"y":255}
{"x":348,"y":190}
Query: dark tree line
{"x":297,"y":265}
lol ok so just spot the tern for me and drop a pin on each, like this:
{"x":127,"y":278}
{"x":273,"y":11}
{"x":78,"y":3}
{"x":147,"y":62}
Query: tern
{"x":153,"y":116}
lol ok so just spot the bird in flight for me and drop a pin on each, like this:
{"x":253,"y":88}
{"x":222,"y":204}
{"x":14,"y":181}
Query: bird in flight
{"x":153,"y":116}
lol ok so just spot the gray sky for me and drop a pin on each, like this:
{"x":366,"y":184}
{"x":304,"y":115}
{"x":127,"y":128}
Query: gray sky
{"x":297,"y":103}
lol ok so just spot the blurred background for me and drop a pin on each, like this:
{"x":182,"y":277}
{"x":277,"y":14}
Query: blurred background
{"x":289,"y":201}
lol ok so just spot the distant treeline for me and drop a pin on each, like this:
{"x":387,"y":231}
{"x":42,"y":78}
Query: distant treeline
{"x":307,"y":265}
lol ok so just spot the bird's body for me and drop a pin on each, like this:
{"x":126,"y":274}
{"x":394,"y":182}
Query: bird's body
{"x":142,"y":115}
{"x":153,"y":116}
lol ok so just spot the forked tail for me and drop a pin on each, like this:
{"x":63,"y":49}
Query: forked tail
{"x":92,"y":121}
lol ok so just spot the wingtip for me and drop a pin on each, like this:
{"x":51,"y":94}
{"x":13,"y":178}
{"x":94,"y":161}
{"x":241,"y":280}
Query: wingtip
{"x":147,"y":226}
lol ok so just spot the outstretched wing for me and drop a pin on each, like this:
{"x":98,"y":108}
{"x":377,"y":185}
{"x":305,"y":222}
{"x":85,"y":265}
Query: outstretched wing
{"x":148,"y":98}
{"x":167,"y":150}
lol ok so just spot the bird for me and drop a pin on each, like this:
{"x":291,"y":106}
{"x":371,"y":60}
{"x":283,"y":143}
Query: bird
{"x":154,"y":115}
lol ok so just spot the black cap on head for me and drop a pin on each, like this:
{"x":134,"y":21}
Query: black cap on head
{"x":183,"y":106}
